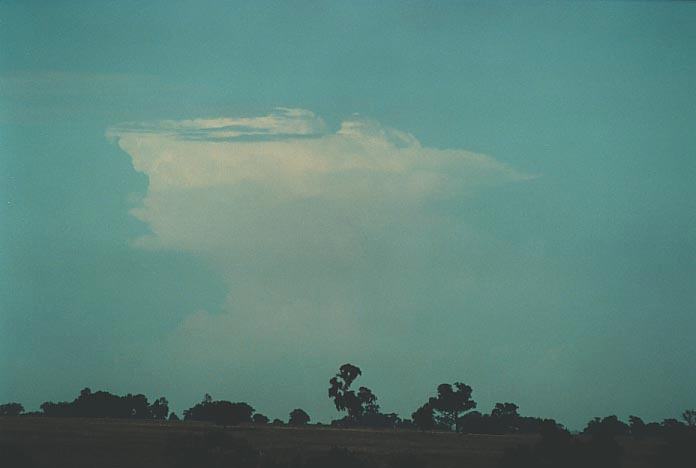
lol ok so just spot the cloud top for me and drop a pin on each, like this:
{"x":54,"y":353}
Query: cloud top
{"x":291,"y":152}
{"x":283,"y":122}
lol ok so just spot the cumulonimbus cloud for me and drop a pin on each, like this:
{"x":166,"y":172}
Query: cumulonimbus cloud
{"x":228,"y":182}
{"x":328,"y":240}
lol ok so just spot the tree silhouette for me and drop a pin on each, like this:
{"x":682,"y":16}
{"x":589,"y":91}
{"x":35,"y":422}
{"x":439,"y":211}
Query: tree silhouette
{"x":689,"y":416}
{"x":636,"y":426}
{"x":451,"y":402}
{"x":11,"y":409}
{"x":356,"y":405}
{"x":260,"y":419}
{"x":368,"y":401}
{"x":609,"y":426}
{"x":505,"y":410}
{"x":220,"y":412}
{"x":298,"y":417}
{"x":558,"y":448}
{"x":505,"y":417}
{"x":159,"y":408}
{"x":339,"y":390}
{"x":424,"y":418}
{"x":102,"y":404}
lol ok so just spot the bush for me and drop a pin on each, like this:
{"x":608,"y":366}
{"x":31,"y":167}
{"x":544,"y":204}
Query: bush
{"x":220,"y":412}
{"x":298,"y":417}
{"x":11,"y":409}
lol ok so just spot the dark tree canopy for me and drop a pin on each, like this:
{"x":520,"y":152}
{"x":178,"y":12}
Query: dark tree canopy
{"x":506,"y":417}
{"x":102,"y":404}
{"x":220,"y":412}
{"x":609,"y":426}
{"x":362,"y":407}
{"x":558,"y":448}
{"x":637,"y":426}
{"x":298,"y":417}
{"x":160,"y":408}
{"x":11,"y":409}
{"x":451,"y":401}
{"x":339,"y":389}
{"x":260,"y":419}
{"x":424,"y":417}
{"x":505,"y":410}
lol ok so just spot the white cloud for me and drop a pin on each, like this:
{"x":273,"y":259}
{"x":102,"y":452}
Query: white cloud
{"x":284,"y":190}
{"x":320,"y":234}
{"x":290,"y":151}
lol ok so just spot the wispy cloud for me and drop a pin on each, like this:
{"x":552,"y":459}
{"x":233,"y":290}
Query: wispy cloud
{"x":283,"y":123}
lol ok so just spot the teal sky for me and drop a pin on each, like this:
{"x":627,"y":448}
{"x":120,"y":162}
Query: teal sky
{"x":236,"y":198}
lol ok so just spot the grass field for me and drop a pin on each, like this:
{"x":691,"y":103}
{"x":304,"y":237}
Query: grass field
{"x":104,"y":443}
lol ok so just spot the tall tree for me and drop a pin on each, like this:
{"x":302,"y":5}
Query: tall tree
{"x":355,"y":404}
{"x":451,"y":402}
{"x":339,"y":387}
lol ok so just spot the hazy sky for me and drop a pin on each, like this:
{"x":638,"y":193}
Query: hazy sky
{"x":238,"y":198}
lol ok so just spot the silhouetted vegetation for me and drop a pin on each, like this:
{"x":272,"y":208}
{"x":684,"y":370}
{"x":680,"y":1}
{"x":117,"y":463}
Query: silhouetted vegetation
{"x":445,"y":409}
{"x":452,"y":409}
{"x":678,"y":448}
{"x":260,"y":419}
{"x":220,"y":412}
{"x":345,"y":399}
{"x":106,"y":405}
{"x":599,"y":447}
{"x":11,"y":409}
{"x":424,"y":417}
{"x":558,"y":448}
{"x":298,"y":417}
{"x":361,"y":406}
{"x":609,"y":426}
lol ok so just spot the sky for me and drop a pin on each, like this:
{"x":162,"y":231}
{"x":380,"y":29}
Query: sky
{"x":236,"y":198}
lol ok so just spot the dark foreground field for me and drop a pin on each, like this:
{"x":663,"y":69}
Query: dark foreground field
{"x":103,"y":443}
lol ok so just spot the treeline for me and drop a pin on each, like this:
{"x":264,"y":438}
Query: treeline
{"x":451,"y":408}
{"x":107,"y":405}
